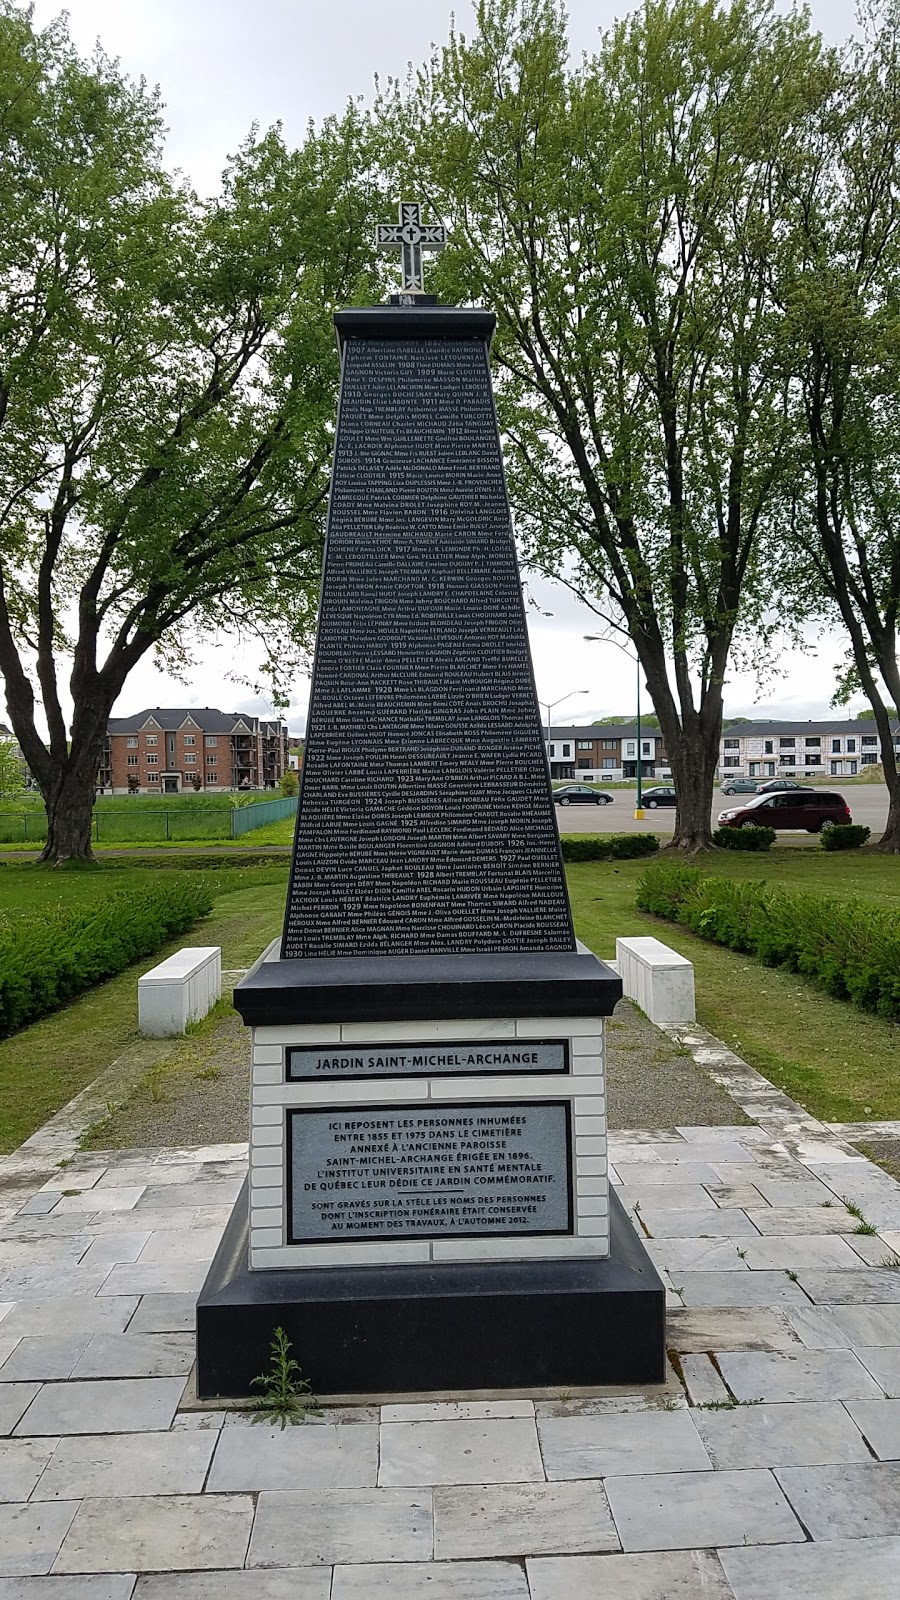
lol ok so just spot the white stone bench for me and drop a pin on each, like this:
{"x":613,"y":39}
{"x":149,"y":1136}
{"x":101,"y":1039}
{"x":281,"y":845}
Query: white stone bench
{"x":657,"y":979}
{"x":180,"y":990}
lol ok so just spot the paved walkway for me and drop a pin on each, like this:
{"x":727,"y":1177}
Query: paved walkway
{"x":768,"y":1468}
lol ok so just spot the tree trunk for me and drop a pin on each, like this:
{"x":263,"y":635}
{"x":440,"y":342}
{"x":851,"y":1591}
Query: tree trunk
{"x":70,"y":806}
{"x":694,"y":774}
{"x":890,"y":839}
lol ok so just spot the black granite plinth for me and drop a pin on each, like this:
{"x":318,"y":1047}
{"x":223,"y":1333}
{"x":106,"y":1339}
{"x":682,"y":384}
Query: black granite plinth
{"x":436,"y":987}
{"x":400,"y":1330}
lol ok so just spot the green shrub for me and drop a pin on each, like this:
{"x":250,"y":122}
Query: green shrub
{"x":744,"y":838}
{"x":608,"y":846}
{"x":843,"y":836}
{"x":849,"y":947}
{"x":48,"y":958}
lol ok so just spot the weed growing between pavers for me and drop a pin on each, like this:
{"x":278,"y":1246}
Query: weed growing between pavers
{"x":285,"y":1394}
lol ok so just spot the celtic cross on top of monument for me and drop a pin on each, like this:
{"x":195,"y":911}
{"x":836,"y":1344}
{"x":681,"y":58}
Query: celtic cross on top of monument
{"x":411,"y":236}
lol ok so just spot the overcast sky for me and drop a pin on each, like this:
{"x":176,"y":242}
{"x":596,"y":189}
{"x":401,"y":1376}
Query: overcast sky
{"x":224,"y":64}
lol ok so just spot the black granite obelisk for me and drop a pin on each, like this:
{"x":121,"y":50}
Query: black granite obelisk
{"x":428,"y":1204}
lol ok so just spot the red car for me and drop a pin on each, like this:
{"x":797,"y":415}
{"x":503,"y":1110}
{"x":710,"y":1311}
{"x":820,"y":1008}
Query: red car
{"x":812,"y":809}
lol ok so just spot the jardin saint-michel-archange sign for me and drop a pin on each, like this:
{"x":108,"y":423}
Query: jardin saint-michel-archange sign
{"x":375,"y":1172}
{"x":397,"y":1060}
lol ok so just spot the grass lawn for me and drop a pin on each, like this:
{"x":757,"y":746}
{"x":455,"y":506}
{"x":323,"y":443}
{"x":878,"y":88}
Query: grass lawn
{"x":838,"y":1062}
{"x":45,"y":1065}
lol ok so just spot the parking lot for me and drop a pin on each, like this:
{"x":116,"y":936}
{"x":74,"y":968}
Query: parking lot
{"x":867,"y":802}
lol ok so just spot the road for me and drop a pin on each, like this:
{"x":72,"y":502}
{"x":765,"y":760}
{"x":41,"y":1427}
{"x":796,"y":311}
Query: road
{"x":867,"y":802}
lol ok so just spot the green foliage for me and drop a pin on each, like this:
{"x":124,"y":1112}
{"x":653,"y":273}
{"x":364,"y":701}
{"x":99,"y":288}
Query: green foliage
{"x":289,"y":782}
{"x":11,"y":785}
{"x":286,"y":1395}
{"x":844,"y":836}
{"x":48,"y":957}
{"x":168,"y":380}
{"x":744,"y":838}
{"x":608,"y":846}
{"x":849,"y":947}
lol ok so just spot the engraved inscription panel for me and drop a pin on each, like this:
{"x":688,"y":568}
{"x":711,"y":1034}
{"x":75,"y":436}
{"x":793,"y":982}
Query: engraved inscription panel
{"x":427,"y":1060}
{"x":411,"y":1172}
{"x":425,"y":821}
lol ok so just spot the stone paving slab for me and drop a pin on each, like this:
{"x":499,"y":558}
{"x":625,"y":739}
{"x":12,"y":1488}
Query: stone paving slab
{"x":512,"y":1519}
{"x":119,"y":1586}
{"x":596,"y":1447}
{"x":879,"y":1422}
{"x":295,"y":1583}
{"x":861,"y":1501}
{"x":110,"y":1465}
{"x":321,"y":1527}
{"x":796,"y":1375}
{"x":121,"y":1405}
{"x":841,"y":1570}
{"x":496,"y":1451}
{"x":30,"y":1536}
{"x":814,"y":1433}
{"x":681,"y":1511}
{"x":159,"y":1533}
{"x":459,"y":1580}
{"x":677,"y":1575}
{"x":259,"y":1458}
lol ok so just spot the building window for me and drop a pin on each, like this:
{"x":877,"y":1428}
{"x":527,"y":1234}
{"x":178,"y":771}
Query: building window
{"x":585,"y":744}
{"x":211,"y":761}
{"x":189,"y":738}
{"x":812,"y":759}
{"x":567,"y":751}
{"x":584,"y":762}
{"x":732,"y":744}
{"x":608,"y":763}
{"x":814,"y":743}
{"x":609,"y":744}
{"x":786,"y":744}
{"x":153,"y":777}
{"x":869,"y":738}
{"x":630,"y":748}
{"x":869,"y":758}
{"x":851,"y":746}
{"x":646,"y":747}
{"x":152,"y":738}
{"x":152,"y":761}
{"x":836,"y":746}
{"x":732,"y":760}
{"x":768,"y":747}
{"x":210,"y":742}
{"x":132,"y":761}
{"x":189,"y":759}
{"x":132,"y":744}
{"x":551,"y":749}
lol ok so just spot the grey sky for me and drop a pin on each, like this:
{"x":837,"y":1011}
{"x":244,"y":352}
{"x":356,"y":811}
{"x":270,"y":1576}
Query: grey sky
{"x":223,"y":64}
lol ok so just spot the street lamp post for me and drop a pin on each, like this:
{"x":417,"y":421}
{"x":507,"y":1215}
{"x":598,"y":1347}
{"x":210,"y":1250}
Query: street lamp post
{"x":550,"y":705}
{"x":599,"y":638}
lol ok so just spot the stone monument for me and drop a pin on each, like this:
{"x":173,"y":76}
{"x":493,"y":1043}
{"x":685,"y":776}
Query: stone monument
{"x":428,"y":1205}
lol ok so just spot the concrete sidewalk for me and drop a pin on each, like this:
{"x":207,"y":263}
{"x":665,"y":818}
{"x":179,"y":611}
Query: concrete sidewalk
{"x":768,"y":1468}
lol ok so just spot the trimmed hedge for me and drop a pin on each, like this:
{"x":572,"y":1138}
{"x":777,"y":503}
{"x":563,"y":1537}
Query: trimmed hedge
{"x":844,"y":836}
{"x":849,"y":947}
{"x":744,"y":838}
{"x":48,"y":958}
{"x":608,"y":846}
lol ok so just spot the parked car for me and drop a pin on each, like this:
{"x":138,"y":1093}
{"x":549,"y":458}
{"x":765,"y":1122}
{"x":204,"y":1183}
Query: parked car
{"x":661,"y":795}
{"x":798,"y":808}
{"x":775,"y":785}
{"x":581,"y":794}
{"x":740,"y":786}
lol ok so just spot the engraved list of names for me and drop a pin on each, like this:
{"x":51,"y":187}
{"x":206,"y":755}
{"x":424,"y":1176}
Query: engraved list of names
{"x":426,"y":822}
{"x":376,"y":1172}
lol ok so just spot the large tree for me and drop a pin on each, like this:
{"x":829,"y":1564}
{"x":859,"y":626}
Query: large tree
{"x":838,"y":278}
{"x":167,"y":387}
{"x":619,"y":218}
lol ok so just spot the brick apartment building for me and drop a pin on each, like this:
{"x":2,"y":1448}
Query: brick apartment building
{"x":165,"y":749}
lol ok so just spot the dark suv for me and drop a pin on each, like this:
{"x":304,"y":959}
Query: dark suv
{"x":812,"y":809}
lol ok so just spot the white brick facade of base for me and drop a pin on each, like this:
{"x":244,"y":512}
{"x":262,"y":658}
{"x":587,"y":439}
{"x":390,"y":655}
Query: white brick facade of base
{"x":583,"y":1087}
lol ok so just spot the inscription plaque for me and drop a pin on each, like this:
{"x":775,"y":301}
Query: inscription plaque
{"x":427,"y":1060}
{"x":408,"y":1172}
{"x":425,"y":821}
